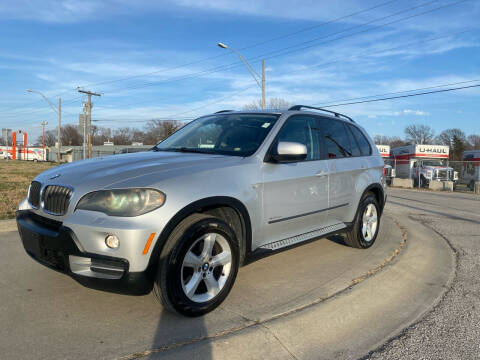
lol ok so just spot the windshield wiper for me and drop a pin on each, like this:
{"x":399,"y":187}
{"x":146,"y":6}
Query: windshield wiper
{"x":186,"y":149}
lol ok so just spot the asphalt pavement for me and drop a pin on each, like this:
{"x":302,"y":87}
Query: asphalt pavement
{"x":452,"y":329}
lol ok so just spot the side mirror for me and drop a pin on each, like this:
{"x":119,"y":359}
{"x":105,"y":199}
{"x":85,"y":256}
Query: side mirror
{"x":288,"y":152}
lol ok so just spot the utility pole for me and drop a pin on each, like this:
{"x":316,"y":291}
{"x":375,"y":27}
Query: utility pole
{"x":59,"y":130}
{"x":263,"y":84}
{"x":44,"y":123}
{"x":89,"y":118}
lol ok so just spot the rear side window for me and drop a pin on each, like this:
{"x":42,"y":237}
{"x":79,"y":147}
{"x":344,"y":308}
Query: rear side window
{"x":335,"y":138}
{"x":354,"y":147}
{"x":361,"y":140}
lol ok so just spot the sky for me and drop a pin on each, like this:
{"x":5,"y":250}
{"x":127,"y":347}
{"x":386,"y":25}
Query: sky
{"x":158,"y":59}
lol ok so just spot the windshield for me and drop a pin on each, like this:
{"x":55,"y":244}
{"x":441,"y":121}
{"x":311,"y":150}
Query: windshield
{"x":226,"y":134}
{"x":434,"y":163}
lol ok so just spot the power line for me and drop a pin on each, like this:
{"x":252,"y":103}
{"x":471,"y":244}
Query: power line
{"x":248,"y":46}
{"x":401,"y":92}
{"x":173,"y":116}
{"x":30,"y":111}
{"x":265,"y":56}
{"x":205,"y":72}
{"x":402,"y":96}
{"x":365,"y":53}
{"x":219,"y":56}
{"x":232,"y":65}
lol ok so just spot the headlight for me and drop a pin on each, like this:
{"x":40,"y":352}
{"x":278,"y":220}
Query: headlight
{"x":429,"y":174}
{"x":123,"y":202}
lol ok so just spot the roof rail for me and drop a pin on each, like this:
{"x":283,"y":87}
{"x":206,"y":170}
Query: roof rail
{"x":299,"y":107}
{"x":222,"y":111}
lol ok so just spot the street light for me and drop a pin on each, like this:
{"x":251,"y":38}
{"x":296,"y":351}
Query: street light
{"x":252,"y":71}
{"x":44,"y":123}
{"x":59,"y":113}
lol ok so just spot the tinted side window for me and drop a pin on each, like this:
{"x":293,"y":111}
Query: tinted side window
{"x":355,"y":148}
{"x":301,"y":129}
{"x":362,"y":141}
{"x":335,"y":138}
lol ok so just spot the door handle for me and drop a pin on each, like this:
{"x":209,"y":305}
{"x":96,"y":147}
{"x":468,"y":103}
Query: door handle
{"x":321,"y":173}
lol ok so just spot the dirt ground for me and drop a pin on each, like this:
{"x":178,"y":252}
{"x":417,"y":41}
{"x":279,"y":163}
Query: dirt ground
{"x":15,"y":176}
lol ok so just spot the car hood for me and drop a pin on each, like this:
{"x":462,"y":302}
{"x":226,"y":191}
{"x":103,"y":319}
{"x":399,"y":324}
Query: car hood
{"x":437,"y":168}
{"x":105,"y":172}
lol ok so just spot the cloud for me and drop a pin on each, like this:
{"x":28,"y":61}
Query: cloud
{"x":412,"y":112}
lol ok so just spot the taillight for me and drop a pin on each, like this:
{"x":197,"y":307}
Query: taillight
{"x":384,"y":171}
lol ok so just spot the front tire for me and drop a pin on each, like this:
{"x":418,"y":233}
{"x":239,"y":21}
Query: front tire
{"x":365,"y":227}
{"x":198,"y":266}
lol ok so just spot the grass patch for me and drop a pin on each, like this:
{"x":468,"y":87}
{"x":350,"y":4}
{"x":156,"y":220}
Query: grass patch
{"x":15,"y":176}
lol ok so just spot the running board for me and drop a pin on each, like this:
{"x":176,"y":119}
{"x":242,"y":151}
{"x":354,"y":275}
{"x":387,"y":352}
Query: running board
{"x":303,"y":237}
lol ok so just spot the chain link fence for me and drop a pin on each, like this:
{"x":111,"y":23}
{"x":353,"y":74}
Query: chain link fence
{"x":468,"y":174}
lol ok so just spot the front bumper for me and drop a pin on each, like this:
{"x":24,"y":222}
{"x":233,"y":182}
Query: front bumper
{"x":54,"y":245}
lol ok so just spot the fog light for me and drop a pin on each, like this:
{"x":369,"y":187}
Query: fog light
{"x":112,"y":241}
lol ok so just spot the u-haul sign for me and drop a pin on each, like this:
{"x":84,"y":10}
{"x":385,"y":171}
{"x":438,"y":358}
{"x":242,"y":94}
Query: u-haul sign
{"x":384,"y":150}
{"x":420,"y":151}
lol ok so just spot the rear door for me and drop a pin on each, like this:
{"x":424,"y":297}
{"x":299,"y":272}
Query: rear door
{"x":295,"y":195}
{"x":345,"y":166}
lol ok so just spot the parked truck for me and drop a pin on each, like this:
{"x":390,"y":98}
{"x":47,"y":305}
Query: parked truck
{"x":30,"y":153}
{"x":470,"y":168}
{"x":388,"y":168}
{"x":423,"y":164}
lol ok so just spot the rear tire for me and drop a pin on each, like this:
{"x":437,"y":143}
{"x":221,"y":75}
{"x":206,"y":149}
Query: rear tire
{"x":198,"y":266}
{"x":366,"y":224}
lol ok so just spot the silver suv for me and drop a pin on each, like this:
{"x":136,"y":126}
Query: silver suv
{"x":183,"y":217}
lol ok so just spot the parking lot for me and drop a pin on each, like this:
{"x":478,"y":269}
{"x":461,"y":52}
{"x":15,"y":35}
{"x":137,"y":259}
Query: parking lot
{"x":313,"y":301}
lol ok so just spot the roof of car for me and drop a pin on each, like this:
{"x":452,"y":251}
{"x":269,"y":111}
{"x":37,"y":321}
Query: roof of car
{"x":295,"y":108}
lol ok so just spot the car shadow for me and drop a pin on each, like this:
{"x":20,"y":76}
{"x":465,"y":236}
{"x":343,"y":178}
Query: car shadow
{"x":183,"y":333}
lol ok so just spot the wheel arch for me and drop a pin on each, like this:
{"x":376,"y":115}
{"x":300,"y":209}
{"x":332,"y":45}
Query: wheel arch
{"x":205,"y":205}
{"x":378,"y":191}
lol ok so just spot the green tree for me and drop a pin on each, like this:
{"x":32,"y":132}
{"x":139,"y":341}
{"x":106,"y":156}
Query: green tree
{"x":456,"y":139}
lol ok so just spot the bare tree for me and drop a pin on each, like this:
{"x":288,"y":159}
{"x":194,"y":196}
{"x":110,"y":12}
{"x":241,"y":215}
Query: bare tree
{"x":393,"y":141}
{"x":122,"y":136}
{"x":474,"y":141}
{"x":397,"y":141}
{"x":50,"y":138}
{"x":381,"y":139}
{"x":157,"y":130}
{"x":103,"y":135}
{"x":419,"y":134}
{"x":272,"y":104}
{"x":138,"y":135}
{"x":70,"y":136}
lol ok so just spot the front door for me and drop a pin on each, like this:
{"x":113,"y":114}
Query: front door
{"x":295,"y":195}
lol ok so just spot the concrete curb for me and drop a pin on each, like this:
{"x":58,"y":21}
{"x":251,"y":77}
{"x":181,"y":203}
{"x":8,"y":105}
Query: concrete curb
{"x":8,"y":225}
{"x":349,"y":324}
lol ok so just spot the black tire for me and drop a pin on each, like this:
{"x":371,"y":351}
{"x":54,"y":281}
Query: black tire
{"x":168,"y":283}
{"x":471,"y":185}
{"x":423,"y":182}
{"x":354,"y":237}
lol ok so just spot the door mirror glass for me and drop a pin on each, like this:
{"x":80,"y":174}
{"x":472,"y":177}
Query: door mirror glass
{"x":289,"y":152}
